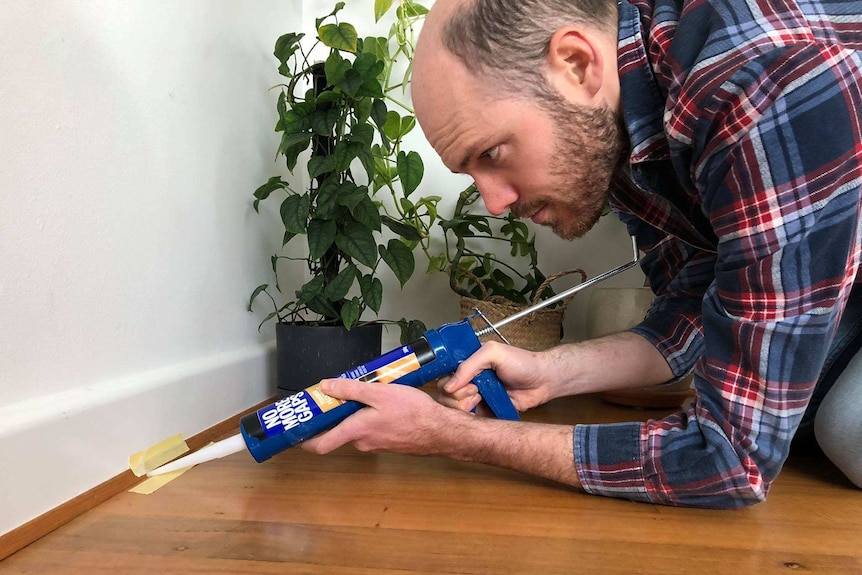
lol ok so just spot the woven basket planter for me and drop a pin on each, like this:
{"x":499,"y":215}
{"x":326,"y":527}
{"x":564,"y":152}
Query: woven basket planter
{"x":537,"y":331}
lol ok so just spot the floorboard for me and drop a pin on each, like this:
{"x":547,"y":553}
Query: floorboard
{"x":358,"y":514}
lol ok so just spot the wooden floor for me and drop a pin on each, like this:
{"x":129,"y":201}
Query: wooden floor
{"x":352,"y":513}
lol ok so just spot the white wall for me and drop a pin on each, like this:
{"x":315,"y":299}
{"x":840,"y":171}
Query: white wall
{"x":131,"y":137}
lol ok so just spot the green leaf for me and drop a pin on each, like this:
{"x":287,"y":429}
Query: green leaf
{"x":291,"y":155}
{"x":294,"y":213}
{"x":350,"y":312}
{"x":379,"y":46}
{"x":328,"y":97}
{"x":341,"y":284}
{"x":371,"y":289}
{"x":357,"y":241}
{"x":380,"y":8}
{"x":323,"y":307}
{"x":362,"y":111}
{"x":338,"y":7}
{"x":397,"y":127}
{"x":272,"y":184}
{"x":382,"y":170}
{"x":271,"y":315}
{"x":437,"y":263}
{"x":289,"y":141}
{"x":349,"y":194}
{"x":335,"y":67}
{"x":368,"y":65}
{"x":410,"y":171}
{"x":326,"y":205}
{"x":281,"y":108}
{"x":370,"y":69}
{"x":370,"y":88}
{"x":399,"y":258}
{"x":430,"y":205}
{"x":410,"y":9}
{"x":310,"y":290}
{"x":392,"y":126}
{"x":324,"y":121}
{"x":411,"y":330}
{"x":407,"y":125}
{"x":503,"y":280}
{"x":363,"y":134}
{"x":367,"y":214}
{"x":343,"y":155}
{"x":378,"y":112}
{"x":321,"y":234}
{"x":287,"y":237}
{"x":318,"y":165}
{"x":341,"y":36}
{"x":285,"y":47}
{"x":407,"y":206}
{"x":404,"y":230}
{"x":351,"y":83}
{"x":257,"y":291}
{"x":367,"y":161}
{"x":298,"y":117}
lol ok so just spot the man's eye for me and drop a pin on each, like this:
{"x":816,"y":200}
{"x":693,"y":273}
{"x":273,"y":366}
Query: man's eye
{"x":492,"y":153}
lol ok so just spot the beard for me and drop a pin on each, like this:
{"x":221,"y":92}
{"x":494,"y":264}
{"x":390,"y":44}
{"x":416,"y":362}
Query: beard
{"x":589,"y":147}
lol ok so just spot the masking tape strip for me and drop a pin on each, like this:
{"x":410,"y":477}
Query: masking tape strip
{"x":153,"y":483}
{"x":145,"y":461}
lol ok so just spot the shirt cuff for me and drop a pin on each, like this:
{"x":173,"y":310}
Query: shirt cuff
{"x":609,"y":459}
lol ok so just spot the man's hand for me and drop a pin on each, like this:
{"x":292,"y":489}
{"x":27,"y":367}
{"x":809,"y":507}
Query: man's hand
{"x":617,"y":361}
{"x":520,"y":370}
{"x":398,"y":418}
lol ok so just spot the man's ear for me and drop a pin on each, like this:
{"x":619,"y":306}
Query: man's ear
{"x":575,"y":64}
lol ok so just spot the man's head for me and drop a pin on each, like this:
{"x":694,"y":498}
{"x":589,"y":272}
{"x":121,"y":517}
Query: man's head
{"x":524,"y":97}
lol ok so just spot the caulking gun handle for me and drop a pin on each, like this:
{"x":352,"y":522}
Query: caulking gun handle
{"x":455,"y":342}
{"x":494,"y":394}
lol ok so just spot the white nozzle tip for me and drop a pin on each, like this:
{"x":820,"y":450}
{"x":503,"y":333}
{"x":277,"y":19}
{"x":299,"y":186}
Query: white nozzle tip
{"x":216,"y":450}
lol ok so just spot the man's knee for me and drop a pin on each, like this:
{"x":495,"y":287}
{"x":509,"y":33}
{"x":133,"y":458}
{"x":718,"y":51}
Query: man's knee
{"x":838,"y":424}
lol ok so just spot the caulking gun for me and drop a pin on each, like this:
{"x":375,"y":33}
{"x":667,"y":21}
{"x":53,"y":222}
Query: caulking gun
{"x":439,"y":352}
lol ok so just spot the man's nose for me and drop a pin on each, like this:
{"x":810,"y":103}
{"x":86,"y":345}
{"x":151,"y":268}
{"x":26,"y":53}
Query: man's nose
{"x":497,"y":194}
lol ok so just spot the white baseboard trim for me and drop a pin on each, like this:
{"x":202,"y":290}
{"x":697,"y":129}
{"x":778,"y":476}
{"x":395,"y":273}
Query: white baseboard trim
{"x":57,"y":447}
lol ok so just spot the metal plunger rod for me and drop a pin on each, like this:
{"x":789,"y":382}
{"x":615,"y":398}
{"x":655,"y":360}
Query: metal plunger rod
{"x":562,"y":295}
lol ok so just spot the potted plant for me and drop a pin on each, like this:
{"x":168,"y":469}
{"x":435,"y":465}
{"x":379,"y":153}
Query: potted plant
{"x":341,"y":134}
{"x":497,"y":285}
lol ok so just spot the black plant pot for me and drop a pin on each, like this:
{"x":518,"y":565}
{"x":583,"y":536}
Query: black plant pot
{"x":309,"y":353}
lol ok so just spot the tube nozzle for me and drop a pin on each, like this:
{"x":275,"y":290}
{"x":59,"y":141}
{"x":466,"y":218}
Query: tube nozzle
{"x":216,"y":450}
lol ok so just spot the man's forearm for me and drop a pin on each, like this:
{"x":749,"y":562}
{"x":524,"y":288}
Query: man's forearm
{"x":613,"y":362}
{"x":537,"y":449}
{"x":617,"y":361}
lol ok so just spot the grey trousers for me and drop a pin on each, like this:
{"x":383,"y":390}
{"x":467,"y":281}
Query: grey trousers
{"x":834,"y":414}
{"x":838,"y":422}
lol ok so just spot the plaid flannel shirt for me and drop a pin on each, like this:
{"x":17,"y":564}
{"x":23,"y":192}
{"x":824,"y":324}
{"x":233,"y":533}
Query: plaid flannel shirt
{"x":745,"y":120}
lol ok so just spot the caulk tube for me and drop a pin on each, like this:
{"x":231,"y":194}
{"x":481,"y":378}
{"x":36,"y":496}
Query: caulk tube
{"x":301,"y":416}
{"x":296,"y":418}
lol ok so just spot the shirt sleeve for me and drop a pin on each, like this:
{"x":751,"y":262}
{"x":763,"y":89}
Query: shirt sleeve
{"x":775,"y":155}
{"x":679,"y":274}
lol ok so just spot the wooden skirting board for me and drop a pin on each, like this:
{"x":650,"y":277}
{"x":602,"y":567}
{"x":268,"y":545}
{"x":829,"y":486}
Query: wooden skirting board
{"x":36,"y":528}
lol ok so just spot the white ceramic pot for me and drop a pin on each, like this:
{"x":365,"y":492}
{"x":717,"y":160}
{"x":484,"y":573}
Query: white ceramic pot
{"x":616,"y":309}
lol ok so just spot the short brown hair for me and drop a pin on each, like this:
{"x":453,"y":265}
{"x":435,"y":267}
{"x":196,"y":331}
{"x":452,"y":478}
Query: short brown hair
{"x":508,"y":39}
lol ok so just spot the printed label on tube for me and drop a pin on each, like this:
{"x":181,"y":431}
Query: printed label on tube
{"x":287,"y":413}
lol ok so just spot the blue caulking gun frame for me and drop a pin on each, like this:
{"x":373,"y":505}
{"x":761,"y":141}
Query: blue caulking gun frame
{"x":439,"y":352}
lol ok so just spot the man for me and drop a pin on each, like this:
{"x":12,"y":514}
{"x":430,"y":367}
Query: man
{"x":727,"y":136}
